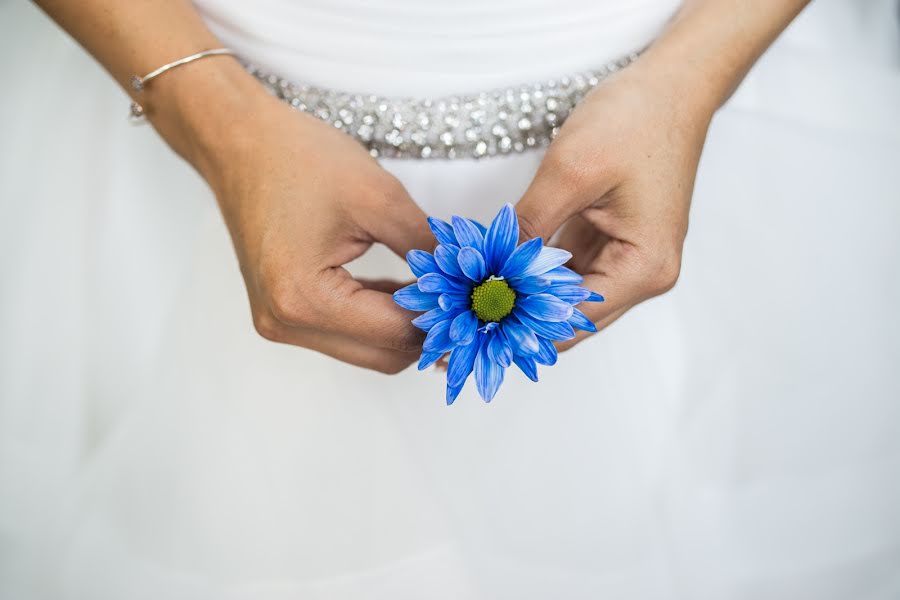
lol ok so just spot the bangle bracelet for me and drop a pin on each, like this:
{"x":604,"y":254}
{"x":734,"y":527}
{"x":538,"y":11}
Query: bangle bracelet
{"x":138,"y":83}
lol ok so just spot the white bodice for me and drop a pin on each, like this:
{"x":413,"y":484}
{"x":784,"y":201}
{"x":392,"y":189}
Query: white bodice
{"x":433,"y":47}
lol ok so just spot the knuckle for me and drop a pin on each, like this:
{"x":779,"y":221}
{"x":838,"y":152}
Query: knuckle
{"x":664,"y":270}
{"x":287,"y":304}
{"x":266,"y":326}
{"x":394,"y":365}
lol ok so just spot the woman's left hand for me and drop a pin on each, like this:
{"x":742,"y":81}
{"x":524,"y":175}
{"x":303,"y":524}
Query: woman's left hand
{"x":615,"y":187}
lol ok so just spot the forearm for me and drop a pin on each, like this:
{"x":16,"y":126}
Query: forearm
{"x":137,"y":36}
{"x":710,"y":45}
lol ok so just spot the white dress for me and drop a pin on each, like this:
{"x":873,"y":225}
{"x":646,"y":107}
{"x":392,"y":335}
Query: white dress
{"x":737,"y":438}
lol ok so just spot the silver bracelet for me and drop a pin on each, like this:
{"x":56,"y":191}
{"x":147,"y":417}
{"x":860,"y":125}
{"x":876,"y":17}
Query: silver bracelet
{"x":138,"y":83}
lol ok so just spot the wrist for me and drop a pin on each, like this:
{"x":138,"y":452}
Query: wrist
{"x":710,"y":45}
{"x":202,"y":110}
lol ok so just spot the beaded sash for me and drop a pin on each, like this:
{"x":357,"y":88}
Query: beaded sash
{"x":466,"y":126}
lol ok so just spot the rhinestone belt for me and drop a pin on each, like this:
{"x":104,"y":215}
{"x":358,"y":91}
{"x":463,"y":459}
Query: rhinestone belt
{"x":467,"y":126}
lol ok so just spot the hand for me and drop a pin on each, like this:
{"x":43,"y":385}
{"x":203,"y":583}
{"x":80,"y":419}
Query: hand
{"x":615,"y":187}
{"x":302,"y":199}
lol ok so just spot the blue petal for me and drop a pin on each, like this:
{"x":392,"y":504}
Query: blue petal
{"x":412,"y":298}
{"x":429,"y":358}
{"x":547,"y":260}
{"x":521,"y":338}
{"x":462,"y":361}
{"x":438,"y":339}
{"x":435,"y":283}
{"x":480,"y":227}
{"x":572,"y":294}
{"x":426,"y":321}
{"x":442,"y":231}
{"x":452,"y":300}
{"x":421,"y":262}
{"x":521,"y":257}
{"x":453,"y":392}
{"x":552,"y":331}
{"x":563,"y":275}
{"x":581,"y":322}
{"x":527,"y":365}
{"x":499,"y":350}
{"x":472,"y":264}
{"x":548,"y":354}
{"x":530,"y":285}
{"x":488,"y":374}
{"x":464,"y":327}
{"x":501,"y":238}
{"x":595,"y":297}
{"x":468,"y":233}
{"x":545,"y":307}
{"x":445,"y":256}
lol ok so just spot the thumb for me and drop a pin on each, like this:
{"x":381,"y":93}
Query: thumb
{"x":397,"y":221}
{"x":562,"y":187}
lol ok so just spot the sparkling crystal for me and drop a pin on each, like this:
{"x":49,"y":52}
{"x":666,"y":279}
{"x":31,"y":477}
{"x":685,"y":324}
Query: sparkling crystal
{"x":137,"y":84}
{"x":394,"y":137}
{"x":477,"y":125}
{"x":365,"y":132}
{"x":346,"y":116}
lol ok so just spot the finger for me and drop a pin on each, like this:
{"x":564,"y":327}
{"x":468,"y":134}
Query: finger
{"x":395,"y":220}
{"x":365,"y":315}
{"x":388,"y":286}
{"x":347,"y":350}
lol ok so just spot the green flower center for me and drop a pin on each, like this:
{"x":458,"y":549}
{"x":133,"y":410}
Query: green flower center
{"x":493,"y":300}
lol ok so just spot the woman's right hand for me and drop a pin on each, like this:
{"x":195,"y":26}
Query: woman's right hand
{"x":301,"y":199}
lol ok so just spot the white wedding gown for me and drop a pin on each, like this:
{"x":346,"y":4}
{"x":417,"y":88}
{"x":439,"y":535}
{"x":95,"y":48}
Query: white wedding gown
{"x":738,"y":438}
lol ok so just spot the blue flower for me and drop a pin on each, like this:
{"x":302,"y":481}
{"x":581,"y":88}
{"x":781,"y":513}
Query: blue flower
{"x":491,"y":303}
